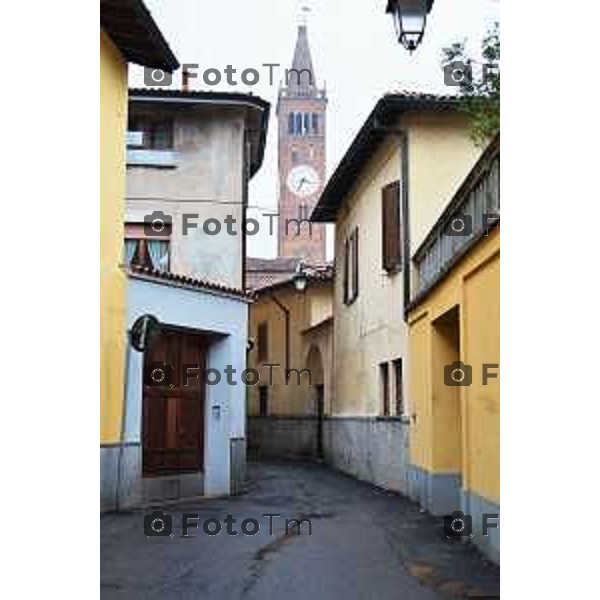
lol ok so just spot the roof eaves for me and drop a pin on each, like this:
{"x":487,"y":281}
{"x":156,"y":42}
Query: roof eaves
{"x":386,"y":111}
{"x":135,"y":33}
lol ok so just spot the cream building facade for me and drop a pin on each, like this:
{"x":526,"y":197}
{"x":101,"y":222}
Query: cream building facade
{"x":393,"y":182}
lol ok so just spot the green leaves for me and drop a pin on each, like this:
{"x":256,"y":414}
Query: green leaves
{"x":481,"y":92}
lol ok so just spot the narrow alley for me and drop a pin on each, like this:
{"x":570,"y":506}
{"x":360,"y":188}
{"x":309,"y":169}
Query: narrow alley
{"x":365,"y":543}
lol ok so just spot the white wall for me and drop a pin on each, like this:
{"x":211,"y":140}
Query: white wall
{"x":202,"y":310}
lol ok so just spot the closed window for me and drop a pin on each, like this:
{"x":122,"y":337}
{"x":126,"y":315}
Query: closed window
{"x":263,"y":400}
{"x":315,"y":123}
{"x":263,"y":341}
{"x":384,"y":383}
{"x":398,"y":389}
{"x":291,"y":124}
{"x":391,"y":233}
{"x":350,"y":273}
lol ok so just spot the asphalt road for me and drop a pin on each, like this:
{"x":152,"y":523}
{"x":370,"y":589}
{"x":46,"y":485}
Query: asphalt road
{"x":365,"y":543}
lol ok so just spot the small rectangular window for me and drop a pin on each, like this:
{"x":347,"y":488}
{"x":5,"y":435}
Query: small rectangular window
{"x":263,"y":400}
{"x":398,"y":383}
{"x":143,"y":251}
{"x":150,"y":134}
{"x":351,"y":271}
{"x":263,"y":341}
{"x":384,"y":382}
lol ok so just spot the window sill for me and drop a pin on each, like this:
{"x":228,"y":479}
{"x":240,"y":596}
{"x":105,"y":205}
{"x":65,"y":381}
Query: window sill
{"x":152,"y":158}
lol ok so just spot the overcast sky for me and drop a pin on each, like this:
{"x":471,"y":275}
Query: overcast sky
{"x":353,"y":49}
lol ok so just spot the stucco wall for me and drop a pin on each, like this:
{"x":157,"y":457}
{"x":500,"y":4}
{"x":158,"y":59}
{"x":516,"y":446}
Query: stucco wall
{"x":208,"y":181}
{"x":474,"y":287}
{"x":291,"y":399}
{"x":225,"y":413}
{"x":113,"y":115}
{"x":372,"y":330}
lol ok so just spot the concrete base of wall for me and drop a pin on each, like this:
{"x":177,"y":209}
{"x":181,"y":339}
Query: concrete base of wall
{"x":438,"y":493}
{"x":238,"y":465}
{"x":135,"y":490}
{"x":282,"y":437}
{"x":373,"y":449}
{"x":477,"y":506}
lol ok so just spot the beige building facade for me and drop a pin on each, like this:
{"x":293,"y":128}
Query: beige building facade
{"x":409,"y":156}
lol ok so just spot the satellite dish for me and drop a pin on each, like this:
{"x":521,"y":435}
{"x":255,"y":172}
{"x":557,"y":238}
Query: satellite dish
{"x":143,"y":332}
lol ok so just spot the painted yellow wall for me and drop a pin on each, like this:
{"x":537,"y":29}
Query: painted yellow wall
{"x":113,"y":111}
{"x":307,"y":309}
{"x":372,"y":329}
{"x":474,"y":287}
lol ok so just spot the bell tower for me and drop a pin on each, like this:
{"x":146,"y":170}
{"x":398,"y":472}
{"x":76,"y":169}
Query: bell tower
{"x":301,"y":108}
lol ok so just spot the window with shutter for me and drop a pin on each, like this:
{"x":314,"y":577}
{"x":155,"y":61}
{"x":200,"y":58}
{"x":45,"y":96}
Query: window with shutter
{"x":351,"y":267}
{"x":263,"y":341}
{"x":391,"y":232}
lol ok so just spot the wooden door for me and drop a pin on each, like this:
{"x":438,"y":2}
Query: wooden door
{"x":173,"y":413}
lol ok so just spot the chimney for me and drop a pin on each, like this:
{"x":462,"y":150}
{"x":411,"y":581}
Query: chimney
{"x":185,"y":80}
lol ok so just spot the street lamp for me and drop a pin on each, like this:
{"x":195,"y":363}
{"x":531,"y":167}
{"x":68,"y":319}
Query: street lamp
{"x":409,"y":18}
{"x":300,"y":277}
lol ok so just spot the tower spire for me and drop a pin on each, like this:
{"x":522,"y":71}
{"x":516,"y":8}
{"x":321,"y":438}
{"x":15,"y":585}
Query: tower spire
{"x":301,"y":78}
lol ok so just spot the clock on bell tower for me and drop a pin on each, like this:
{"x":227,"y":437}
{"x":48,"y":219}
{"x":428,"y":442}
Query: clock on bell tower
{"x":301,"y":108}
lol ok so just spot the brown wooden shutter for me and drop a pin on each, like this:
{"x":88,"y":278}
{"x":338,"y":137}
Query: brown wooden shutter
{"x":263,"y":341}
{"x":355,"y":265}
{"x":346,"y":270}
{"x":391,"y":235}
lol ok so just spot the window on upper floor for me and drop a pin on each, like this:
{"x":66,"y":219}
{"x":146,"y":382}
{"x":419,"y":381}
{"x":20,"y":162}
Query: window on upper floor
{"x":391,"y":231}
{"x":315,"y":123}
{"x":350,"y":271}
{"x":150,"y":134}
{"x":143,"y":251}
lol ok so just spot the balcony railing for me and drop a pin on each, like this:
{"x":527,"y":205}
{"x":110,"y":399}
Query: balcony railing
{"x":470,"y":215}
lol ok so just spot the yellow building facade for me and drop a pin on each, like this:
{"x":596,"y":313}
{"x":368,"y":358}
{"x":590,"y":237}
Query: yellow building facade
{"x":294,"y":330}
{"x":113,"y":122}
{"x":128,"y":34}
{"x":454,"y":365}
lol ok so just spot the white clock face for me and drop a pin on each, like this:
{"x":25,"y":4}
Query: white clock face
{"x":303,"y":181}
